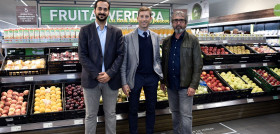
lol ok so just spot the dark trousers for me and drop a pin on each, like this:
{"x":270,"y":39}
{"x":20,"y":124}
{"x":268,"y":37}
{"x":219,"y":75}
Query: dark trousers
{"x":149,"y":82}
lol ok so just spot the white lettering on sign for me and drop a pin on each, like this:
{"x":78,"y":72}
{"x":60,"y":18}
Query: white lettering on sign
{"x":119,"y":14}
{"x":134,"y":14}
{"x":79,"y":15}
{"x":62,"y":13}
{"x":159,"y":16}
{"x":75,"y":15}
{"x":111,"y":16}
{"x":52,"y":14}
{"x":85,"y":14}
{"x":127,"y":15}
{"x":92,"y":16}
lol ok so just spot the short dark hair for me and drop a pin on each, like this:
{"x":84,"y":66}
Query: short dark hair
{"x":143,"y":8}
{"x":95,"y":5}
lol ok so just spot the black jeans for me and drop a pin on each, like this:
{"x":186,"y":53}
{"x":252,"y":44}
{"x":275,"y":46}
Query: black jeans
{"x":149,"y":82}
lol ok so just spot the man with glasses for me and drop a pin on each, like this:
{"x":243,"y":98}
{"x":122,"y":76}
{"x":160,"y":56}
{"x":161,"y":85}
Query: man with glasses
{"x":181,"y":66}
{"x":141,"y":69}
{"x":101,"y":56}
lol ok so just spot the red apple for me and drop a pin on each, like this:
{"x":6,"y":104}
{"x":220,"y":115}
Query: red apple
{"x":3,"y":97}
{"x":10,"y":91}
{"x":227,"y":88}
{"x":25,"y":92}
{"x":4,"y":94}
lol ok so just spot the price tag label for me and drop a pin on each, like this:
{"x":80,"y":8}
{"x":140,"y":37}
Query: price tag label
{"x":275,"y":98}
{"x":78,"y":122}
{"x":200,"y":107}
{"x":250,"y":100}
{"x":243,"y":65}
{"x":217,"y":67}
{"x":75,"y":44}
{"x":264,"y":64}
{"x":28,"y":78}
{"x":47,"y":125}
{"x":278,"y":88}
{"x":15,"y":128}
{"x":70,"y":76}
{"x":225,"y":41}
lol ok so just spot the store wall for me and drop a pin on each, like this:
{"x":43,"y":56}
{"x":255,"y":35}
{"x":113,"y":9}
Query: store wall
{"x":228,"y":7}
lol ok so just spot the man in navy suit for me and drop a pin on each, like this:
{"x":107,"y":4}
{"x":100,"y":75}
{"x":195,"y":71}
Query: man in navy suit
{"x":101,"y":56}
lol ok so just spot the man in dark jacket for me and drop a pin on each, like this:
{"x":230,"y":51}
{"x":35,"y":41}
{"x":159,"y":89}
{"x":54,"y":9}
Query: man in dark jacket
{"x":101,"y":56}
{"x":181,"y":66}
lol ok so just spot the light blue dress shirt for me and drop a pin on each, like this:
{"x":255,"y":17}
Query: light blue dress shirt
{"x":140,"y":32}
{"x":102,"y":37}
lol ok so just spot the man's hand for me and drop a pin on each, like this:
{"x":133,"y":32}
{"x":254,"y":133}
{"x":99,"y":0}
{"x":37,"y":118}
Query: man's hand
{"x":126,"y":90}
{"x":163,"y":87}
{"x":191,"y":91}
{"x":103,"y":77}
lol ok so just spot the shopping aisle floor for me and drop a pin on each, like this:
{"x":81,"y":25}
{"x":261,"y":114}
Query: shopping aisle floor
{"x":267,"y":124}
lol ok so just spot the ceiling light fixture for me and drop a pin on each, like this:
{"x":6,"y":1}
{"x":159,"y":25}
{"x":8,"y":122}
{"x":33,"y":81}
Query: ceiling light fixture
{"x":23,"y":2}
{"x":11,"y":23}
{"x":150,"y":6}
{"x":93,"y":3}
{"x":155,"y":4}
{"x":164,"y":1}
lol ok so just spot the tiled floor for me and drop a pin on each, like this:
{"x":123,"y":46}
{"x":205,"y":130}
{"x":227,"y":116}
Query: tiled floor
{"x":267,"y":124}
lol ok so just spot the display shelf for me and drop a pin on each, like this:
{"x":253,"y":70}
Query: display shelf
{"x":231,"y":41}
{"x":39,"y":45}
{"x":80,"y":121}
{"x":271,"y":36}
{"x":232,"y":66}
{"x":43,"y":77}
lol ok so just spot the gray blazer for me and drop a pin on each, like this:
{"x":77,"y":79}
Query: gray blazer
{"x":131,"y":57}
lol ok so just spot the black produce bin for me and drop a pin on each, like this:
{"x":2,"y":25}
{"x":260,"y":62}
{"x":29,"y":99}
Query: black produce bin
{"x":242,"y":72}
{"x":66,"y":66}
{"x":75,"y":113}
{"x":265,"y":57}
{"x":244,"y":58}
{"x":50,"y":116}
{"x":217,"y":96}
{"x":202,"y":98}
{"x":217,"y":58}
{"x":238,"y":93}
{"x":24,"y":71}
{"x":17,"y":119}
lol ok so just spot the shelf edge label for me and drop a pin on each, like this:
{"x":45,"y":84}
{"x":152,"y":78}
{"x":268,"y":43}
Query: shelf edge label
{"x":15,"y":128}
{"x":47,"y":125}
{"x":78,"y":122}
{"x":28,"y":78}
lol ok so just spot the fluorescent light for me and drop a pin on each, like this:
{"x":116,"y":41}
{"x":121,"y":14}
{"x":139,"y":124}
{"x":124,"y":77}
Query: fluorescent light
{"x":23,"y":2}
{"x":93,"y":3}
{"x":164,"y":1}
{"x":155,"y":4}
{"x":150,"y":6}
{"x":11,"y":23}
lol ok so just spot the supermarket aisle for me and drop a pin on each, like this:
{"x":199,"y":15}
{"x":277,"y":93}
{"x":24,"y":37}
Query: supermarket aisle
{"x":267,"y":124}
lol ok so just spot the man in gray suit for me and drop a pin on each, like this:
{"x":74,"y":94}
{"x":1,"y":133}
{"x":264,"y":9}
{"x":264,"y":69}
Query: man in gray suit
{"x":141,"y":68}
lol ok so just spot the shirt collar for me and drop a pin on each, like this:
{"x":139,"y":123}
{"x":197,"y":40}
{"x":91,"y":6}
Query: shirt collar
{"x":140,"y":32}
{"x":97,"y":26}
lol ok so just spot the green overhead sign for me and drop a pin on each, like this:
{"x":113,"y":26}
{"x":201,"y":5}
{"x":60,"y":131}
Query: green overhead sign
{"x":277,"y":10}
{"x":85,"y":15}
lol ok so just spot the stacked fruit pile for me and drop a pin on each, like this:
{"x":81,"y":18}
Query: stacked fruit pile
{"x":263,"y":49}
{"x":27,"y":64}
{"x":265,"y":75}
{"x":213,"y":50}
{"x":238,"y":49}
{"x":161,"y":96}
{"x":74,"y":97}
{"x":201,"y":90}
{"x":121,"y":96}
{"x":13,"y":103}
{"x":212,"y":82}
{"x":234,"y":81}
{"x":64,"y":56}
{"x":47,"y":100}
{"x":256,"y":89}
{"x":275,"y":70}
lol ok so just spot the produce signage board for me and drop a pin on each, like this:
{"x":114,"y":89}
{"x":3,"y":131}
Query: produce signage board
{"x":26,"y":15}
{"x":277,"y":10}
{"x":85,"y":15}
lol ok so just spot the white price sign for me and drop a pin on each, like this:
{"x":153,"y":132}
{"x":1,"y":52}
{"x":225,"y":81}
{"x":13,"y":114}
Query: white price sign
{"x":47,"y":125}
{"x":78,"y":122}
{"x":250,"y":100}
{"x":15,"y":128}
{"x":225,"y":41}
{"x":70,"y":76}
{"x":28,"y":78}
{"x":199,"y":107}
{"x":243,"y":65}
{"x":264,"y":64}
{"x":217,"y":67}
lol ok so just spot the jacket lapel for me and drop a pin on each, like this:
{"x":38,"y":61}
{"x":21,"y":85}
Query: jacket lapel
{"x":153,"y":42}
{"x":135,"y":43}
{"x":108,"y":38}
{"x":95,"y":36}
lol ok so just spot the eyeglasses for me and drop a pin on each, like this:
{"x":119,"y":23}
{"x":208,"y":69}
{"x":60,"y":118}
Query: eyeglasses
{"x":179,"y":20}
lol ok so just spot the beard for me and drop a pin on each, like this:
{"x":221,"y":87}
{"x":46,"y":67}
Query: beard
{"x":101,"y":19}
{"x":179,"y":29}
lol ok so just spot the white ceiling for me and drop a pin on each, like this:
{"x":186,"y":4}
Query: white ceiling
{"x":8,"y":7}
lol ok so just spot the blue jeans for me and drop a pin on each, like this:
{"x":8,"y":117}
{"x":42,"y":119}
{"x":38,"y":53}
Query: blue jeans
{"x":149,"y":82}
{"x":181,"y":108}
{"x":92,"y":98}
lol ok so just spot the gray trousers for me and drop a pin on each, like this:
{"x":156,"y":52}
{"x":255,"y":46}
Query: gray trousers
{"x":92,"y":98}
{"x":181,"y":107}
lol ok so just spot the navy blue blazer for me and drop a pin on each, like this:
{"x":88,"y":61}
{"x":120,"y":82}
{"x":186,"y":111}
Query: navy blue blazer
{"x":91,"y":58}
